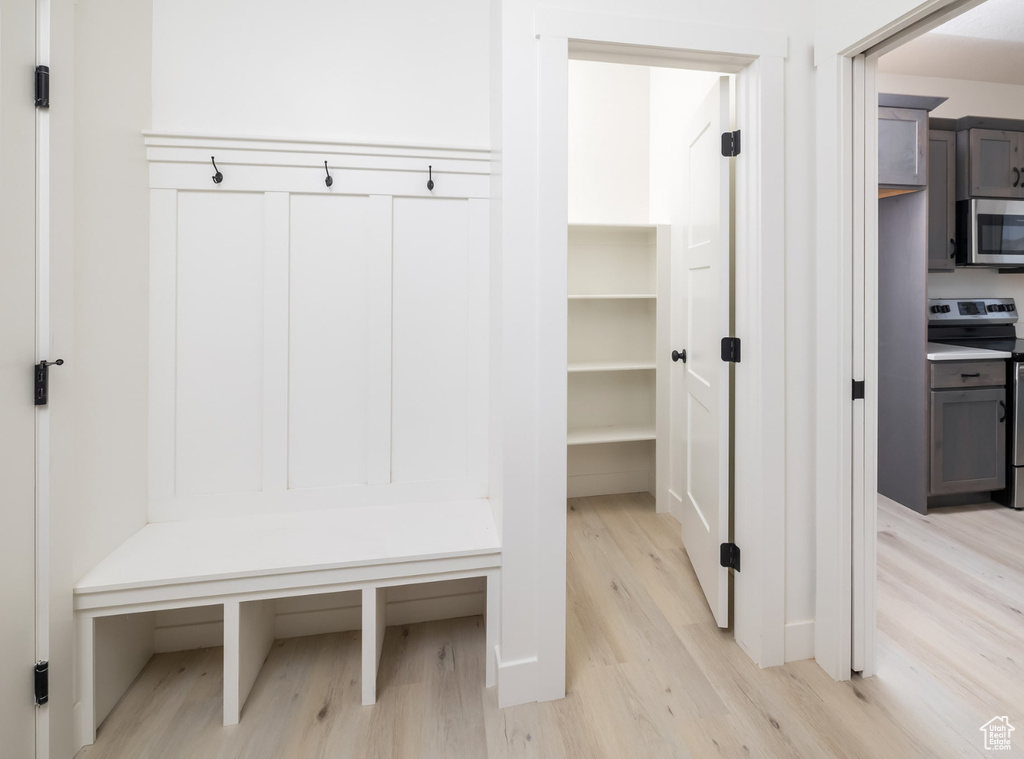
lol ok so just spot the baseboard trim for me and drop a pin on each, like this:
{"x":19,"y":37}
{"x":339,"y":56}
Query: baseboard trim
{"x":800,"y":640}
{"x":517,"y":680}
{"x":613,"y":483}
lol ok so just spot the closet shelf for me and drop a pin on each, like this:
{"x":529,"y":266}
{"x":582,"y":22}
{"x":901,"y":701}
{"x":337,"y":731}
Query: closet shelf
{"x":615,"y":296}
{"x":610,"y":366}
{"x":617,"y":433}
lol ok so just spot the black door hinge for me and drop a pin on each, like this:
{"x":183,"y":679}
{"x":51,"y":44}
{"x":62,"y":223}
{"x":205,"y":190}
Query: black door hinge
{"x":858,"y":390}
{"x":730,"y":556}
{"x":731,"y":143}
{"x":731,"y":349}
{"x":42,"y":86}
{"x":42,"y":389}
{"x":42,"y":682}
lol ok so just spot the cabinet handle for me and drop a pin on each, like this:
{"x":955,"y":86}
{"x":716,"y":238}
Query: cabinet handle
{"x":976,"y":374}
{"x":952,"y":248}
{"x":1016,"y":174}
{"x":1003,"y":407}
{"x":679,"y":355}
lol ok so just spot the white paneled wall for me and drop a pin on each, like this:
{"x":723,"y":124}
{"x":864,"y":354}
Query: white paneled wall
{"x":315,"y":347}
{"x":432,"y":346}
{"x":219,"y":324}
{"x":338,"y":339}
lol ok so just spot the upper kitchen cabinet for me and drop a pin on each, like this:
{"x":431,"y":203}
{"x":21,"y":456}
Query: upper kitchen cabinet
{"x":941,"y":194}
{"x":903,"y":141}
{"x":990,"y":158}
{"x":902,"y":145}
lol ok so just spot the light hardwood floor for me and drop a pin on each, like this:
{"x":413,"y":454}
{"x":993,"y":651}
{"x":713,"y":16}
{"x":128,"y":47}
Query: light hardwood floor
{"x":649,"y":675}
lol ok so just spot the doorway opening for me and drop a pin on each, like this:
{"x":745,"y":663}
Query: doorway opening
{"x":759,"y":590}
{"x":650,"y":251}
{"x":934,"y":532}
{"x":946,"y":522}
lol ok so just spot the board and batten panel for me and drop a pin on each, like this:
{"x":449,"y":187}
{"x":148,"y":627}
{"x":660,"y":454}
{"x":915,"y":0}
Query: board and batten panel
{"x":339,"y":329}
{"x":439,"y":349}
{"x":316,"y":348}
{"x":219,"y":361}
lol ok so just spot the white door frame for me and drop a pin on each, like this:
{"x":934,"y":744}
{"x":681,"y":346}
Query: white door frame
{"x":757,"y":56}
{"x":43,"y":340}
{"x":847,"y":335}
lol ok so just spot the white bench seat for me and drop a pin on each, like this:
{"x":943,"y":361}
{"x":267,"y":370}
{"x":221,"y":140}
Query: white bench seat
{"x":245,"y":563}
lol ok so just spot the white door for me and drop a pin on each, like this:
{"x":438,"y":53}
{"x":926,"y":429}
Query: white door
{"x":17,"y":351}
{"x":700,"y":386}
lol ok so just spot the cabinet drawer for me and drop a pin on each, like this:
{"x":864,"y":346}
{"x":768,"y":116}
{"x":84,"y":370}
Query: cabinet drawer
{"x":949,"y":374}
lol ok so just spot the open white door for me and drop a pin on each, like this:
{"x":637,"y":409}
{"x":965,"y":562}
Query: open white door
{"x":700,"y":383}
{"x":17,"y":354}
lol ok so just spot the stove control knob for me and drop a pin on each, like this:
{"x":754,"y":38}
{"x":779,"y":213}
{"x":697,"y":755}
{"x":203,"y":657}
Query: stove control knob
{"x":992,"y":307}
{"x":1010,"y":307}
{"x":945,"y":309}
{"x":936,"y":309}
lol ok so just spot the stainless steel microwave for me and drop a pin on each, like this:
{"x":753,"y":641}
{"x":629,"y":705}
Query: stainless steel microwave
{"x":990,"y":232}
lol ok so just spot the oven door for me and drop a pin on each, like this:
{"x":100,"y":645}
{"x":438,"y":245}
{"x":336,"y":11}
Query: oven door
{"x":996,"y":229}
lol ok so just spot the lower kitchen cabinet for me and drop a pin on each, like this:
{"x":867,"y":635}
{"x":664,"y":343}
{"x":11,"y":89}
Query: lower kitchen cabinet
{"x":968,"y":440}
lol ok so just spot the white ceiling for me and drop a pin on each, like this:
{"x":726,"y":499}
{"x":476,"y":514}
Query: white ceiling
{"x":984,"y":44}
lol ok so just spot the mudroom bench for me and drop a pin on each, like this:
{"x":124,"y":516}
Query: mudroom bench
{"x":248,"y":563}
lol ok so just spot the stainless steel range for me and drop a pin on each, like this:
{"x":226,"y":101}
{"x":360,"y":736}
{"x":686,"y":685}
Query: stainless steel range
{"x":977,"y":355}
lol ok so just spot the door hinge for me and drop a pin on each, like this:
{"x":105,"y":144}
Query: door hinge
{"x":42,"y":385}
{"x":730,"y":556}
{"x":858,"y":390}
{"x":42,"y":682}
{"x":42,"y":86}
{"x":731,"y":143}
{"x":731,"y":349}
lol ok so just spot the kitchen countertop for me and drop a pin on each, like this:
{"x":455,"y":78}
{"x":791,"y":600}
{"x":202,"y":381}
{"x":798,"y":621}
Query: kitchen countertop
{"x":942,"y":352}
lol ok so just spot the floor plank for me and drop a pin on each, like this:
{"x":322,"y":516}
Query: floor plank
{"x":648,"y":672}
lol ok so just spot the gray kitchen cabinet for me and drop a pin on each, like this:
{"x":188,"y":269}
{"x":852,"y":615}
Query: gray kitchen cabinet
{"x":990,"y":164}
{"x":941,"y":200}
{"x":968,"y":440}
{"x":902,"y":147}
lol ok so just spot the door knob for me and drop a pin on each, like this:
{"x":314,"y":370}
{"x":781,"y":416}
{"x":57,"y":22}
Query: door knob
{"x":679,"y":355}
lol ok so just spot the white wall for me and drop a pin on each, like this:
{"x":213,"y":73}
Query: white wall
{"x":802,"y":310}
{"x":609,"y":143}
{"x":111,"y":283}
{"x":625,"y":154}
{"x":112,"y":104}
{"x":384,"y":71}
{"x":675,"y":95}
{"x":966,"y":98}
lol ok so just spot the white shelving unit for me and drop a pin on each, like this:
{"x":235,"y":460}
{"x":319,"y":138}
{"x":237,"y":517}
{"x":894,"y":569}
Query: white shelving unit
{"x":612,"y":372}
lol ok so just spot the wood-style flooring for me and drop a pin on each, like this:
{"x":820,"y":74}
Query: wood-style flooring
{"x":649,"y":674}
